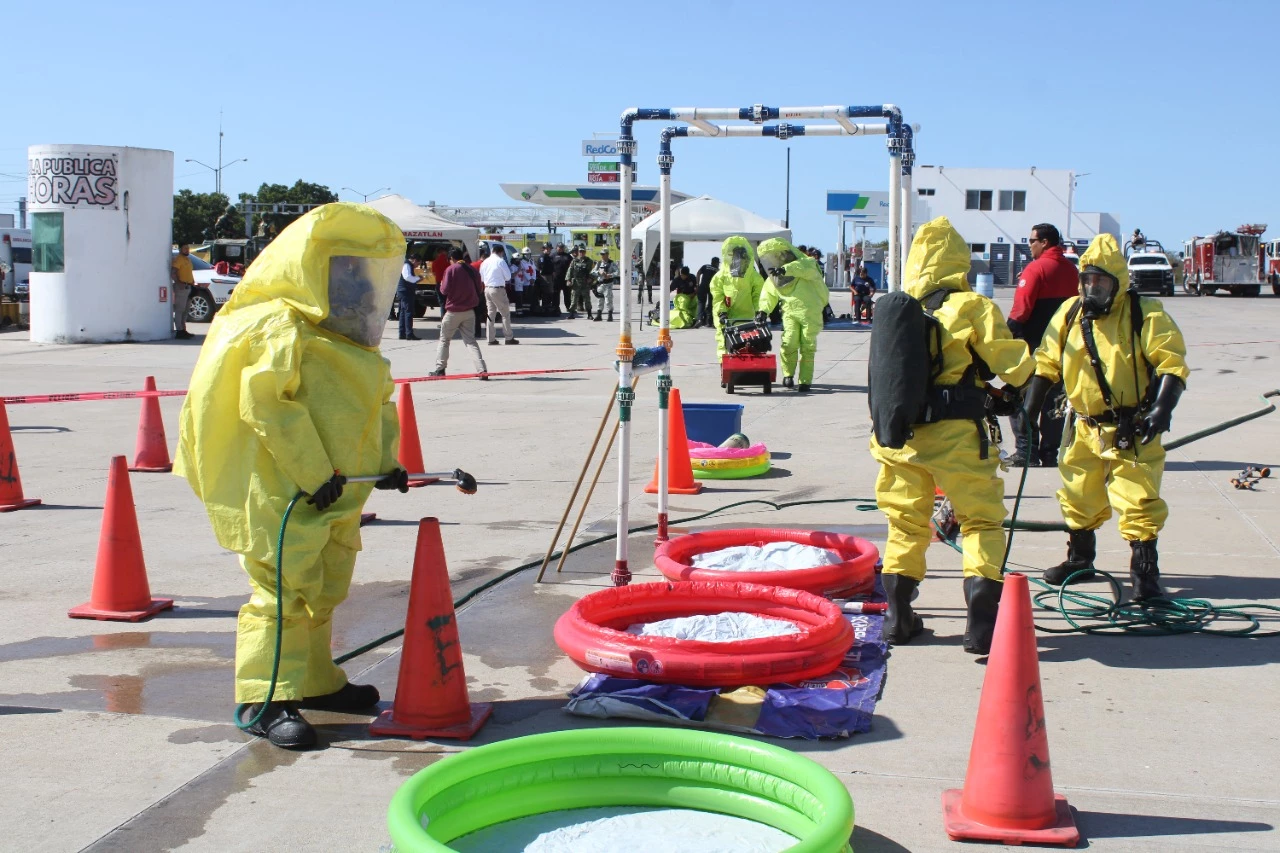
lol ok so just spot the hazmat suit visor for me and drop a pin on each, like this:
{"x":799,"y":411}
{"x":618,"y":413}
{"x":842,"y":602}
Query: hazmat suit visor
{"x":1098,"y":291}
{"x":738,"y":262}
{"x":360,"y":294}
{"x":776,"y":259}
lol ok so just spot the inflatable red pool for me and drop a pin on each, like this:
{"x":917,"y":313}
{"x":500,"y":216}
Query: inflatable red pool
{"x":854,"y":575}
{"x":594,"y":634}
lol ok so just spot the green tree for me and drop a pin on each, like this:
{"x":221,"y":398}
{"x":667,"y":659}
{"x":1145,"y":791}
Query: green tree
{"x":301,"y":192}
{"x":195,"y":213}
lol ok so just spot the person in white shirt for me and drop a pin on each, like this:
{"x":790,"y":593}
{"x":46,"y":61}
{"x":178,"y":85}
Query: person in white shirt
{"x":406,"y":298}
{"x":495,"y":274}
{"x":528,"y":278}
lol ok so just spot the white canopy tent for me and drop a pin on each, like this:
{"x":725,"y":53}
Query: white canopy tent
{"x":706,"y":219}
{"x":419,"y":223}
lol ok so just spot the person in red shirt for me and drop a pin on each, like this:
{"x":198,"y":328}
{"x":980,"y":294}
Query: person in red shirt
{"x":1048,"y":281}
{"x":462,"y":290}
{"x":439,"y":265}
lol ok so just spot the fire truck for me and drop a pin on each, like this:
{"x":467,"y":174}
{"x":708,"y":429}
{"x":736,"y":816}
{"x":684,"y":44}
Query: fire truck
{"x":1234,"y":261}
{"x":1273,"y":266}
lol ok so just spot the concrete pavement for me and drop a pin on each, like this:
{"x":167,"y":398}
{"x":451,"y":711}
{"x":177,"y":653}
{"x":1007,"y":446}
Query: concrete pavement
{"x":117,"y":736}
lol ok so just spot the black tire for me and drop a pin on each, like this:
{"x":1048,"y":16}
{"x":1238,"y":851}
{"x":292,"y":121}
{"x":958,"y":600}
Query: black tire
{"x":728,"y":387}
{"x":1251,"y":291}
{"x":768,"y":387}
{"x":200,"y":306}
{"x":1190,"y":287}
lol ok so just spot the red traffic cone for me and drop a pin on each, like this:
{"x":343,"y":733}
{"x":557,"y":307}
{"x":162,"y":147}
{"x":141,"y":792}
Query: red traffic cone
{"x":151,"y":453}
{"x":410,"y":456}
{"x":10,"y":482}
{"x":679,"y":469}
{"x":431,"y":691}
{"x":120,"y":589}
{"x":1008,"y":790}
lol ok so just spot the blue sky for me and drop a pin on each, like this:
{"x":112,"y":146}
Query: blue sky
{"x":1169,"y":106}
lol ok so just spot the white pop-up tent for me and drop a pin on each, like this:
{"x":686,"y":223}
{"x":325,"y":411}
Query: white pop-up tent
{"x":419,"y":223}
{"x":706,"y":219}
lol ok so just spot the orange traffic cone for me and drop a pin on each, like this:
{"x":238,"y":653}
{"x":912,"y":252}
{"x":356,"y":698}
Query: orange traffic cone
{"x":679,"y":469}
{"x":120,"y":589}
{"x":151,"y":453}
{"x":431,"y":693}
{"x":10,"y":482}
{"x":410,"y":456}
{"x":1008,"y":790}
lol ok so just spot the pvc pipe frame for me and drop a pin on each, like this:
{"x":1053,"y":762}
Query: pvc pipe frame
{"x":701,"y":119}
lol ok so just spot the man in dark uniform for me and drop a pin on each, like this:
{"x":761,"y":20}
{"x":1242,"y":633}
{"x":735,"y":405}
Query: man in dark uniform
{"x":706,"y":272}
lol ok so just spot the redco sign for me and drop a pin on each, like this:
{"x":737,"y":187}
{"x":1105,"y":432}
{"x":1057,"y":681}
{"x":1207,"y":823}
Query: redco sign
{"x":599,"y":148}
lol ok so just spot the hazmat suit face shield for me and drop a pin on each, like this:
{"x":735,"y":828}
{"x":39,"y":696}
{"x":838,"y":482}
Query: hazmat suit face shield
{"x":1098,"y":291}
{"x":776,"y":260}
{"x":360,"y":294}
{"x":738,"y":262}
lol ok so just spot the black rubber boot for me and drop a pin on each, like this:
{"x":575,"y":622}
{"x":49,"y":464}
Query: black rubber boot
{"x":982,"y":595}
{"x":788,"y":382}
{"x":281,"y":724}
{"x":1082,"y":548}
{"x":610,"y":319}
{"x":598,"y":318}
{"x":1144,"y":570}
{"x":901,"y":623}
{"x":352,"y":697}
{"x":803,"y":387}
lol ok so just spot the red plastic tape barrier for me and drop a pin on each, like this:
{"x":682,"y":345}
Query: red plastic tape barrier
{"x":854,"y":575}
{"x":594,"y":634}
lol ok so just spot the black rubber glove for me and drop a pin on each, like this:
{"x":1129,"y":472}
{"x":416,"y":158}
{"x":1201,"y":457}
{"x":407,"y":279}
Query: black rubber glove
{"x":1033,"y":397}
{"x":762,"y":316}
{"x":1168,"y":389}
{"x":325,"y":496}
{"x":723,"y":318}
{"x":397,"y":479}
{"x":1005,"y":402}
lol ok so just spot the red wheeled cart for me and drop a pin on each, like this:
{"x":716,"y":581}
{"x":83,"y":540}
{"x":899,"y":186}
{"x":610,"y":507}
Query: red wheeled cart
{"x":747,"y":360}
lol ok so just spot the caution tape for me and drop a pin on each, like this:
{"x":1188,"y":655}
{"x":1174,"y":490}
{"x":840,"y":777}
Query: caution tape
{"x":89,"y":396}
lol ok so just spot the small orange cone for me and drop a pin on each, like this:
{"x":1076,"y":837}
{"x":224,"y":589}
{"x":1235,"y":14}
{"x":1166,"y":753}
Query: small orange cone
{"x":366,"y":517}
{"x":431,"y":691}
{"x":10,"y":481}
{"x":151,"y":453}
{"x":120,"y":589}
{"x":1008,"y":790}
{"x":410,"y":456}
{"x":679,"y":469}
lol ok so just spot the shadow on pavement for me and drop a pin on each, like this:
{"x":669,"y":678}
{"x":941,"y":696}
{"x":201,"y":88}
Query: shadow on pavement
{"x":865,"y":841}
{"x":1097,"y":825}
{"x":1210,"y":465}
{"x":1184,"y":651}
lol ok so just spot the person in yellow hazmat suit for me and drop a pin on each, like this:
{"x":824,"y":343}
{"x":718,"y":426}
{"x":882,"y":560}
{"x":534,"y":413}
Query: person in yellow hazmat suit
{"x":948,"y":445}
{"x":796,"y":281}
{"x":735,"y":288}
{"x":1122,"y":361}
{"x":291,"y":392}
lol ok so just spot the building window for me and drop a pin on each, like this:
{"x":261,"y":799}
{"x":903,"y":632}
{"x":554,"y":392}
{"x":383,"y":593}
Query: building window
{"x":977,"y":199}
{"x":977,"y":248}
{"x":925,"y":192}
{"x":1013,"y":200}
{"x":46,"y":243}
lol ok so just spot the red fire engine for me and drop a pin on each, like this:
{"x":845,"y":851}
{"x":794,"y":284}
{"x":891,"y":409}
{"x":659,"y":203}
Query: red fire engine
{"x":1273,"y":266}
{"x":1234,"y":261}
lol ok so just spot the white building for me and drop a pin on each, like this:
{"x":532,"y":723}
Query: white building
{"x":995,"y":209}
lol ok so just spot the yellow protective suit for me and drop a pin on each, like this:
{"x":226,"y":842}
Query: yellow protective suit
{"x":736,"y":296}
{"x":276,"y":404}
{"x":1096,"y":476}
{"x":947,"y":454}
{"x":803,"y":299}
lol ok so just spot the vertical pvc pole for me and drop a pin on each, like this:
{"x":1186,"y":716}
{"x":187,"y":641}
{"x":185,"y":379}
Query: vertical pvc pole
{"x":906,"y":221}
{"x":664,"y":339}
{"x":893,"y":257}
{"x":621,"y":575}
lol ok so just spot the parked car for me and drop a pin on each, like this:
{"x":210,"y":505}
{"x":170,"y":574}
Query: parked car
{"x":210,"y":292}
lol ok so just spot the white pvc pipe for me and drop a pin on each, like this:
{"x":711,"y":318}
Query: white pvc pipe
{"x":893,"y":256}
{"x":624,"y":374}
{"x":664,"y":326}
{"x":860,"y":129}
{"x":906,"y":223}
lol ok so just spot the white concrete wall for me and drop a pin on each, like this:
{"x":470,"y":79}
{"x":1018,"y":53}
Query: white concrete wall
{"x":1047,"y":197}
{"x":117,"y":243}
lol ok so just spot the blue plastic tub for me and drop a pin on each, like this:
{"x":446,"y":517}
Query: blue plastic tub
{"x":712,"y":423}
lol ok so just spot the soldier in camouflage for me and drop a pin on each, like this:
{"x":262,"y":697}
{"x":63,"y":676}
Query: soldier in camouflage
{"x":580,"y":281}
{"x":606,"y":276}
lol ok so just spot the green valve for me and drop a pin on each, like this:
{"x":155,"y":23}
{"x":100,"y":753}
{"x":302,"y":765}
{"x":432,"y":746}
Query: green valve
{"x":626,"y":397}
{"x":664,"y":390}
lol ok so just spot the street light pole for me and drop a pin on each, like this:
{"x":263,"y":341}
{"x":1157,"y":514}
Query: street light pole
{"x":364,"y":197}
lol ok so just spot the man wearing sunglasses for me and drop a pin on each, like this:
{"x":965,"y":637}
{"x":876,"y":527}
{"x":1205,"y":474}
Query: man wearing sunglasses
{"x":1047,"y":282}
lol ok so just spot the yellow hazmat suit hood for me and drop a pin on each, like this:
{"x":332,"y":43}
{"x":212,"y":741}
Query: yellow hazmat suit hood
{"x":737,"y":242}
{"x":939,"y":258}
{"x":1104,"y":253}
{"x":295,"y":266}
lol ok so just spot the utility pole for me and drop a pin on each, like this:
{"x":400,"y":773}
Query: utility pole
{"x":786,"y":222}
{"x":218,"y":174}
